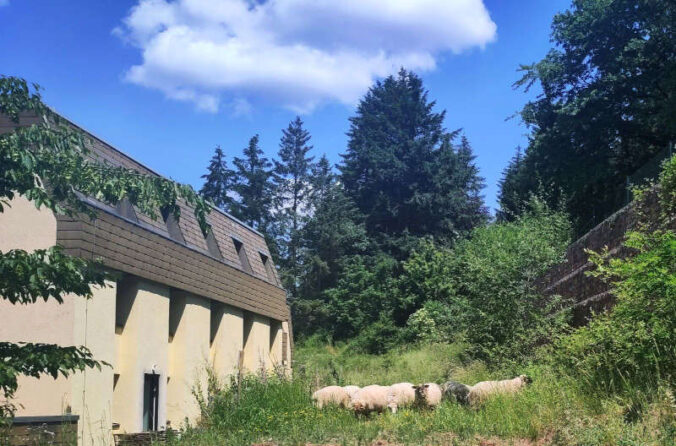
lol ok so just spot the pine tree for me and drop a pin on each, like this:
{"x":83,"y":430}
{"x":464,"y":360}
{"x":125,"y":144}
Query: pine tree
{"x":252,"y":183}
{"x":293,"y":188}
{"x":402,"y":171}
{"x":218,"y":181}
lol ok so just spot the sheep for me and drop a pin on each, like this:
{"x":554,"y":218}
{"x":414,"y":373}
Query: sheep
{"x":331,"y":395}
{"x":370,"y":399}
{"x":456,"y":392}
{"x":351,"y":390}
{"x":427,"y":395}
{"x":400,"y":395}
{"x":479,"y":392}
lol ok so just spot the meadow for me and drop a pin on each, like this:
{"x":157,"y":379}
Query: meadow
{"x":555,"y":409}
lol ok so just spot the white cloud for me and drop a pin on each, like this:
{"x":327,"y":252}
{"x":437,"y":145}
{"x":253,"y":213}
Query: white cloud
{"x":296,"y":53}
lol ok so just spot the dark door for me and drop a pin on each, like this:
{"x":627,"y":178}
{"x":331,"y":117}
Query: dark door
{"x":151,"y":393}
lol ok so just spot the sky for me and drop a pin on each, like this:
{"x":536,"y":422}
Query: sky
{"x":166,"y":81}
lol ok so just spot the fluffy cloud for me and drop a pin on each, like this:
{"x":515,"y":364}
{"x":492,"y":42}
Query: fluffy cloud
{"x":296,"y":53}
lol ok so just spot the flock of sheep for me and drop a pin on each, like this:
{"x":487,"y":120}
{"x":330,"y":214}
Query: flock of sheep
{"x":377,"y":398}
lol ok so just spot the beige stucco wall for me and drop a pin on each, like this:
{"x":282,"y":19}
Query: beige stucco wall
{"x":276,"y":359}
{"x":142,"y":347}
{"x":94,"y":327}
{"x":77,"y":321}
{"x":227,"y":324}
{"x":188,"y":356}
{"x":256,"y":342}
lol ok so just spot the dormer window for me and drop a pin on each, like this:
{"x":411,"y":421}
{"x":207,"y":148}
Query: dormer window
{"x":269,"y":269}
{"x":212,"y":244}
{"x":241,"y":252}
{"x":125,"y":209}
{"x":173,"y":228}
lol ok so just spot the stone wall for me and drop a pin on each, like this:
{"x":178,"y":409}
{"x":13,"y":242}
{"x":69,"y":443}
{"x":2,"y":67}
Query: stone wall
{"x":569,"y":279}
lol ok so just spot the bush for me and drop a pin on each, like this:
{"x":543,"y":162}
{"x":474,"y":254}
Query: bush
{"x":485,"y":286}
{"x":634,"y":344}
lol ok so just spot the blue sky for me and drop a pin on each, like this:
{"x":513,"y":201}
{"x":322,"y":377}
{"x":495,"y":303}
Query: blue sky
{"x":166,"y":83}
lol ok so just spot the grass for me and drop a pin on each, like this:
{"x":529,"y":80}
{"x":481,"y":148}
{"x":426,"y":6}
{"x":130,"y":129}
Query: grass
{"x":554,"y":410}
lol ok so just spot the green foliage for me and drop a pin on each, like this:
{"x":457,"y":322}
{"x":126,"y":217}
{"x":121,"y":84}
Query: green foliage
{"x":635,"y":342}
{"x":485,"y":287}
{"x":606,"y":107}
{"x":49,"y":164}
{"x":362,"y":296}
{"x":254,"y":187}
{"x":218,"y":181}
{"x":554,"y":410}
{"x":496,"y":270}
{"x":403,"y":172}
{"x":293,"y":180}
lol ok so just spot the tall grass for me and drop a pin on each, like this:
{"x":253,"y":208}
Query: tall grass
{"x":555,"y":409}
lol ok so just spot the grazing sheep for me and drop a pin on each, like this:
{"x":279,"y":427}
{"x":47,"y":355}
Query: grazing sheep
{"x":427,"y":395}
{"x":331,"y":395}
{"x":351,"y":390}
{"x":479,"y":392}
{"x":400,"y":395}
{"x":370,"y":399}
{"x":456,"y":392}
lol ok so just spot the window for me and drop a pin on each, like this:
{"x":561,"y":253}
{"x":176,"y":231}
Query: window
{"x":151,"y":393}
{"x":172,"y":225}
{"x":269,"y":269}
{"x":126,"y":210}
{"x":241,"y":252}
{"x":212,"y":245}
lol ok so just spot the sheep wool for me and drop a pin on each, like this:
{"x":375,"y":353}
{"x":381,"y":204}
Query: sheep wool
{"x":479,"y":392}
{"x":370,"y":399}
{"x":428,"y":395}
{"x":400,"y":395}
{"x":351,"y":390}
{"x":456,"y":392}
{"x":331,"y":395}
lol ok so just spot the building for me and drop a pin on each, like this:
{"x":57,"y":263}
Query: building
{"x":182,"y":302}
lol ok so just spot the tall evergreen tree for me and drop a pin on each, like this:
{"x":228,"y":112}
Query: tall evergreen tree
{"x":253,"y":185}
{"x":293,"y":188}
{"x":402,"y":171}
{"x":218,"y":181}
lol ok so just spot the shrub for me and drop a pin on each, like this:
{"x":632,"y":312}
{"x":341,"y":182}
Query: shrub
{"x":634,"y":344}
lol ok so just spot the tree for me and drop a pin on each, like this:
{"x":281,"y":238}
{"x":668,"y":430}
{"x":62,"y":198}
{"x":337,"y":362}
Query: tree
{"x":606,"y":107}
{"x":402,"y":171}
{"x":293,"y":189}
{"x":218,"y":181}
{"x":254,"y":187}
{"x":47,"y":163}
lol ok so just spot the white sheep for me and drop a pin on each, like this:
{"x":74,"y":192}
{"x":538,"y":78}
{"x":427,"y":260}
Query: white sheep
{"x":335,"y":395}
{"x":370,"y":399}
{"x":428,"y":395}
{"x":351,"y":390}
{"x":400,"y":395}
{"x":479,"y":392}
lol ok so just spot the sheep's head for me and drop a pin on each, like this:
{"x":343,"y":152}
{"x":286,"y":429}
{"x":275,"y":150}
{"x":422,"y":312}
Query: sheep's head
{"x":358,"y":405}
{"x":421,"y":393}
{"x":526,"y":379}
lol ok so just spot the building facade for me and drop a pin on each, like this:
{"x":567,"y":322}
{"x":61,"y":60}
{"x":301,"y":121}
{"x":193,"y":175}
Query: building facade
{"x":181,"y":303}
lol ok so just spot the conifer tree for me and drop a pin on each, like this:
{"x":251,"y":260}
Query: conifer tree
{"x":253,"y":185}
{"x":218,"y":181}
{"x":293,"y":188}
{"x":402,"y":171}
